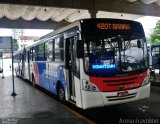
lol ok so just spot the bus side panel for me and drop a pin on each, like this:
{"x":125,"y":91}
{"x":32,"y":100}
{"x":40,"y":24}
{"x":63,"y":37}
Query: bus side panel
{"x":42,"y":75}
{"x":78,"y":92}
{"x":48,"y":74}
{"x":66,"y":75}
{"x":16,"y":66}
{"x":20,"y":70}
{"x":36,"y":74}
{"x":55,"y":75}
{"x":26,"y":76}
{"x":58,"y":75}
{"x":31,"y":70}
{"x":78,"y":86}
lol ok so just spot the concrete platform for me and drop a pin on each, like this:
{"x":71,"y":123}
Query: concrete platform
{"x":32,"y":106}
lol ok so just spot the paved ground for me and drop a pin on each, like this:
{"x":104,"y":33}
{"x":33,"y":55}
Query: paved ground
{"x":32,"y":106}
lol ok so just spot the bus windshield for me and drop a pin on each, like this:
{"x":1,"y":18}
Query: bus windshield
{"x":115,"y":54}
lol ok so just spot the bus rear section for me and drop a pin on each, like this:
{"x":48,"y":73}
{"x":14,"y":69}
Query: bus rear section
{"x":115,"y":63}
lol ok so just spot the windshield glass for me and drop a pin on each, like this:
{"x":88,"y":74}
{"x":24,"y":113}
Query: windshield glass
{"x":115,"y":54}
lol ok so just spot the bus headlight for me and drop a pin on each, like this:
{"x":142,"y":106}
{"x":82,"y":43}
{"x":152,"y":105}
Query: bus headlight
{"x":146,"y":81}
{"x":89,"y":86}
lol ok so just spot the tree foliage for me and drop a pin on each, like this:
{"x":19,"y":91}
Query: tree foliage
{"x":155,"y":35}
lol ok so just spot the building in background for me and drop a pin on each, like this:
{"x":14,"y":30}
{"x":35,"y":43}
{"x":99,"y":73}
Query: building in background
{"x":25,"y":37}
{"x":26,"y":40}
{"x":22,"y":37}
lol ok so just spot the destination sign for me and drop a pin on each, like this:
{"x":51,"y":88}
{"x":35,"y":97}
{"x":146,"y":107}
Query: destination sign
{"x":113,"y":26}
{"x":106,"y":66}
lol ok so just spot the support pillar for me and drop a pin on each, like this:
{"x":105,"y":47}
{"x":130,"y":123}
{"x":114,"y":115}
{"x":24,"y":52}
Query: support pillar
{"x":93,"y":13}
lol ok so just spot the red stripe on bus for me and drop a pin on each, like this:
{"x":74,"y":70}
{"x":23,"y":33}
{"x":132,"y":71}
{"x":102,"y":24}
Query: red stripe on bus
{"x":118,"y":83}
{"x":36,"y":75}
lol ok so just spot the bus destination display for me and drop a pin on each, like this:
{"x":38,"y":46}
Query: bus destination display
{"x":113,"y":26}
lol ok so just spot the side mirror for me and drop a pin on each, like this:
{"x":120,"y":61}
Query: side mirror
{"x":80,"y":49}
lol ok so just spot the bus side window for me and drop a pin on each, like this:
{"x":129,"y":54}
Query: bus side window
{"x":49,"y":50}
{"x":35,"y":53}
{"x":53,"y":49}
{"x":77,"y":64}
{"x":31,"y":57}
{"x":20,"y":58}
{"x":28,"y":56}
{"x":40,"y":52}
{"x":61,"y":47}
{"x":57,"y":49}
{"x":24,"y":55}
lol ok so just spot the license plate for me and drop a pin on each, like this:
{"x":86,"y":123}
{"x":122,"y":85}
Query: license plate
{"x":121,"y":94}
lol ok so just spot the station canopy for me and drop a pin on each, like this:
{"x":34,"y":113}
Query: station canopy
{"x":57,"y":14}
{"x":29,"y":13}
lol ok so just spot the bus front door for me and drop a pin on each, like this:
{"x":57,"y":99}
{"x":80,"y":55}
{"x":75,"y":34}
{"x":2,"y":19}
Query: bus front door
{"x":70,"y":75}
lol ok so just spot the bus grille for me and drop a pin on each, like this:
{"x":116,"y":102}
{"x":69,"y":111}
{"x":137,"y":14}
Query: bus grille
{"x":115,"y":98}
{"x":120,"y":82}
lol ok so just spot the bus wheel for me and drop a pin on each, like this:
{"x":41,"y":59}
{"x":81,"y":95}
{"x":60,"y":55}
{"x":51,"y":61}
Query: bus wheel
{"x":61,"y":93}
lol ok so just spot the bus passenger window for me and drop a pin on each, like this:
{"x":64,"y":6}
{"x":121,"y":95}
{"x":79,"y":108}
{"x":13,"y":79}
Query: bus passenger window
{"x":49,"y":50}
{"x":35,"y":53}
{"x":31,"y":57}
{"x":59,"y":49}
{"x":40,"y":55}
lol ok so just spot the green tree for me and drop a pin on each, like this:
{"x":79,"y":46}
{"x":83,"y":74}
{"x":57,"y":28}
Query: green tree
{"x":15,"y":45}
{"x":155,"y":35}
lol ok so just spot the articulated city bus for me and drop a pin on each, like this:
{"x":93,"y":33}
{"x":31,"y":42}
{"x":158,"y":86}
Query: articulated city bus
{"x":90,"y":63}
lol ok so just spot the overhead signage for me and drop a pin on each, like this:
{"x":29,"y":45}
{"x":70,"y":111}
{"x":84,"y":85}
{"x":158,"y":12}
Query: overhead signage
{"x":5,"y":43}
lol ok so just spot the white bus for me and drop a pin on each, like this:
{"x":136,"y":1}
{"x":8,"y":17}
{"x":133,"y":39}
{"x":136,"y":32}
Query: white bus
{"x":90,"y":63}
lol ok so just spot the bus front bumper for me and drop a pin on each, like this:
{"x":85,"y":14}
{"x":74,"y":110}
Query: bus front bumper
{"x":100,"y":99}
